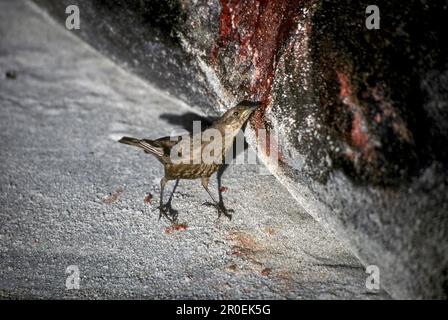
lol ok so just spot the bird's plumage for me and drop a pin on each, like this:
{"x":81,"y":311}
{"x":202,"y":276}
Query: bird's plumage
{"x":228,"y":125}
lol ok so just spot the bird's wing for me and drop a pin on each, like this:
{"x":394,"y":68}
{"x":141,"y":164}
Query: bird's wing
{"x":165,"y":143}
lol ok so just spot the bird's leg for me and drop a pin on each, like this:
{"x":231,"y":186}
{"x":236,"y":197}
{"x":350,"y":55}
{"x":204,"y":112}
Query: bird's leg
{"x":219,"y":176}
{"x":220,"y":206}
{"x":162,"y":208}
{"x":165,"y":209}
{"x":168,"y":204}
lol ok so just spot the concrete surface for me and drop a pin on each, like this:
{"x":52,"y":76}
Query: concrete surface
{"x":71,"y":195}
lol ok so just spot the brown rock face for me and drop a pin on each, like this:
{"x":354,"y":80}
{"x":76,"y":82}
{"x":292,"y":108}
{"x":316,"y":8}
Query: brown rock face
{"x":361,"y":115}
{"x":251,"y":39}
{"x":251,"y":34}
{"x":367,"y":90}
{"x":372,"y":92}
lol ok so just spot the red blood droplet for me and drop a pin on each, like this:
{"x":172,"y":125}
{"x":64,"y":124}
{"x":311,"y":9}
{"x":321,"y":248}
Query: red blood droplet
{"x":266,"y":271}
{"x":180,"y":227}
{"x":148,"y":198}
{"x":176,"y":227}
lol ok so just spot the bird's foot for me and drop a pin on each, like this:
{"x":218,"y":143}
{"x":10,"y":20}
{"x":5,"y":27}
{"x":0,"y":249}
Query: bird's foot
{"x":222,"y":210}
{"x":168,"y":212}
{"x":226,"y":212}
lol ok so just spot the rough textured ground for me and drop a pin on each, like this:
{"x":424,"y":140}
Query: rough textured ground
{"x":360,"y":116}
{"x":71,"y":195}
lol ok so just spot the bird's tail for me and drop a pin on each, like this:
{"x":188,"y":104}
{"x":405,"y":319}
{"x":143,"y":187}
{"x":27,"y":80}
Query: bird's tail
{"x":144,"y":144}
{"x":130,"y":141}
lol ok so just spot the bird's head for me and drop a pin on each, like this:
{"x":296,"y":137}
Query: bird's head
{"x":234,"y":118}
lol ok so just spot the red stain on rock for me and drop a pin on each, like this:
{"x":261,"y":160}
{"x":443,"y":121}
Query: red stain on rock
{"x":259,"y":29}
{"x":345,"y":87}
{"x":363,"y":132}
{"x":252,"y":34}
{"x":359,"y":134}
{"x":245,"y":245}
{"x":225,"y":27}
{"x":223,"y":189}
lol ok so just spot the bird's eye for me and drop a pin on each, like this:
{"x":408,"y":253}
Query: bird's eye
{"x":236,"y":113}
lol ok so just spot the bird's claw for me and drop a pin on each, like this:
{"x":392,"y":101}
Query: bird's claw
{"x":225,"y":211}
{"x":168,"y":212}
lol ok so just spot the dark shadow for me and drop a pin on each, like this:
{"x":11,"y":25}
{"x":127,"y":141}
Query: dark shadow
{"x":185,"y":121}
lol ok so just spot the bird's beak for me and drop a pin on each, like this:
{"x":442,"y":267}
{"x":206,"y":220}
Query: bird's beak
{"x":249,"y":111}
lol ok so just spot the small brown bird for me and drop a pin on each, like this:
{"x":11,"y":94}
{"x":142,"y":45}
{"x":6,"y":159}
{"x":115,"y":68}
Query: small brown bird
{"x":192,"y":164}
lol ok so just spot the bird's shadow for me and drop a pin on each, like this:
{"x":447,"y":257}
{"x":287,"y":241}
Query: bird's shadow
{"x":185,"y":120}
